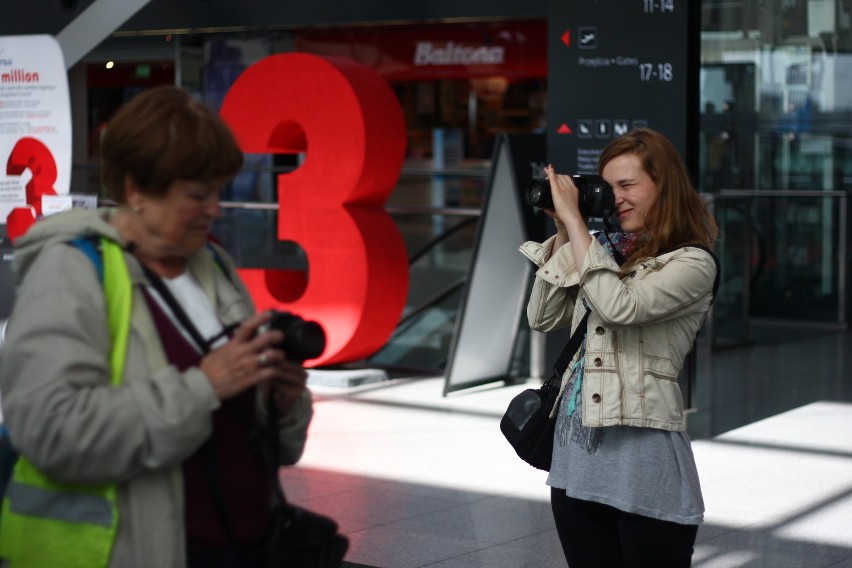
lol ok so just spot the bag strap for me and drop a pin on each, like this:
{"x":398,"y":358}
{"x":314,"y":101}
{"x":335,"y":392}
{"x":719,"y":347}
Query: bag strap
{"x":273,"y":449}
{"x":718,"y":276}
{"x":217,"y":494}
{"x":571,"y":347}
{"x":211,"y":467}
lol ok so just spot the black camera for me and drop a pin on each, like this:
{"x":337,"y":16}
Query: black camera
{"x":302,"y":339}
{"x":595,"y":195}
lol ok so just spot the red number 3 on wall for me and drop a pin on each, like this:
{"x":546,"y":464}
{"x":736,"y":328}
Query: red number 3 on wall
{"x":349,"y":123}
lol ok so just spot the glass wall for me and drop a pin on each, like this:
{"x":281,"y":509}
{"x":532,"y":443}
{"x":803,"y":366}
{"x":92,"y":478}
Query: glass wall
{"x":775,"y":149}
{"x":776,"y":144}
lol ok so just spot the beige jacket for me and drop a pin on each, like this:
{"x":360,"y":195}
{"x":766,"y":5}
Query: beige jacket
{"x":639,"y":331}
{"x":64,"y":416}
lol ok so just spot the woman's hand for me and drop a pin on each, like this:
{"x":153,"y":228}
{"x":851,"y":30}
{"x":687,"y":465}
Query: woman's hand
{"x":250,"y":358}
{"x":566,"y":208}
{"x":570,"y":224}
{"x":287,"y":386}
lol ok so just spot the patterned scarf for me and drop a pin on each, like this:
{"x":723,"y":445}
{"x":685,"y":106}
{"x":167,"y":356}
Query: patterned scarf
{"x":589,"y":439}
{"x":621,"y":242}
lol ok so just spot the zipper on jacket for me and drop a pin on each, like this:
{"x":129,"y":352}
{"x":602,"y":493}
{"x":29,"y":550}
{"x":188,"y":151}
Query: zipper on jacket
{"x":642,"y":371}
{"x":617,"y":354}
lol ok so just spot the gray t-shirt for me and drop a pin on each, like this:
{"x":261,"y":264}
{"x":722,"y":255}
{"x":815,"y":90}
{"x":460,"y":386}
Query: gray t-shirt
{"x":646,"y":471}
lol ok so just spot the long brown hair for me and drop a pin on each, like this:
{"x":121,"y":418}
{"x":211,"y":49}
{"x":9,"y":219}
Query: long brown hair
{"x":678,"y":216}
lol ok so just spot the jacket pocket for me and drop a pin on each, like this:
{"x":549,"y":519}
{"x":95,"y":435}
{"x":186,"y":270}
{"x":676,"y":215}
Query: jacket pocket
{"x":663,"y":399}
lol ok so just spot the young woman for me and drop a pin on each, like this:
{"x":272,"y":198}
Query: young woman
{"x":624,"y":486}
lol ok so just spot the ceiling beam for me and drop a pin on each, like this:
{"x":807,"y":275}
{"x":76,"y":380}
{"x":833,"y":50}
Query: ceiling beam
{"x":100,"y":19}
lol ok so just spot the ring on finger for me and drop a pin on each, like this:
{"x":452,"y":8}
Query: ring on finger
{"x":262,"y":359}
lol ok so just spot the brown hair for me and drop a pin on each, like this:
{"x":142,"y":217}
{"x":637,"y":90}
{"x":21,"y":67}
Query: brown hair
{"x":163,"y":135}
{"x":678,"y":216}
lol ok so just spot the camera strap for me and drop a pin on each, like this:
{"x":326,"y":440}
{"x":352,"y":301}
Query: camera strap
{"x":571,"y":347}
{"x":179,"y":313}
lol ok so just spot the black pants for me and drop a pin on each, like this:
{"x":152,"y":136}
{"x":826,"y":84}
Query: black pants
{"x":599,"y":536}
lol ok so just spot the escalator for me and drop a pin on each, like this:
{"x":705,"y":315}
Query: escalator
{"x":438,"y":273}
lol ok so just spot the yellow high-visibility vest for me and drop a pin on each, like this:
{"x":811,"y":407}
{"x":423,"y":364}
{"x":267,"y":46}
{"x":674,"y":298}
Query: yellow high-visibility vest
{"x":49,"y":524}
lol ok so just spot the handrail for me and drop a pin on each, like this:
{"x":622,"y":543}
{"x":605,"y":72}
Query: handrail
{"x":435,"y":299}
{"x":778,"y":193}
{"x":394,"y":209}
{"x":434,"y":242}
{"x":413,"y":171}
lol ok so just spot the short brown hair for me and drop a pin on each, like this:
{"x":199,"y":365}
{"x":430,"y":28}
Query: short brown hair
{"x":163,"y":135}
{"x":679,"y":216}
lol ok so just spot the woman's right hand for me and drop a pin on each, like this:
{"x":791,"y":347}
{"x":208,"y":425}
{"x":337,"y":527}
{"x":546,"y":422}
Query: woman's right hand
{"x":241,"y":363}
{"x":570,"y":223}
{"x":565,"y":196}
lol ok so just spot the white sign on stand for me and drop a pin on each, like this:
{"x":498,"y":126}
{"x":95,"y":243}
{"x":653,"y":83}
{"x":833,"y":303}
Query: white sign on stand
{"x":35,"y":122}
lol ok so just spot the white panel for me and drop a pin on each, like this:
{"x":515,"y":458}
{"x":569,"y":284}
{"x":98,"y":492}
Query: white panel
{"x":496,"y":292}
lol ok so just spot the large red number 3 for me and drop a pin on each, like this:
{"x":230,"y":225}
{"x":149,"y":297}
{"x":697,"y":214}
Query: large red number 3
{"x":348,"y":122}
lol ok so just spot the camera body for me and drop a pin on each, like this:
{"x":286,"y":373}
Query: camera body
{"x":595,"y":196}
{"x":303,"y":339}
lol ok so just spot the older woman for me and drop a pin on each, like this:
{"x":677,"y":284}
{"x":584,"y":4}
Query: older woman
{"x":624,"y":486}
{"x":134,"y":377}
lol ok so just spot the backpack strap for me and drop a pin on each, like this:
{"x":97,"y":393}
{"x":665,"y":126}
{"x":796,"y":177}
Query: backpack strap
{"x":718,"y":276}
{"x":91,"y":247}
{"x":117,"y":295}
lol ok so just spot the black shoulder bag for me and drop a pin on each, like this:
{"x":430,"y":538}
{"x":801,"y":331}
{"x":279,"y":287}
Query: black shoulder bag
{"x":527,"y":423}
{"x":298,"y":537}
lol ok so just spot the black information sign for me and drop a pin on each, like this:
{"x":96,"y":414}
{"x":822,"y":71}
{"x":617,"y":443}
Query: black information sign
{"x":615,"y":65}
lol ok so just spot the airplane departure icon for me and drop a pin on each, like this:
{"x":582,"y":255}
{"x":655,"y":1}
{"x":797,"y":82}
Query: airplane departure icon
{"x":588,"y":37}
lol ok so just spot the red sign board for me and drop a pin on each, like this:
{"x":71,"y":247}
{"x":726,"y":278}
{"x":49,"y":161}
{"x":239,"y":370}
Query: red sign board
{"x":511,"y":49}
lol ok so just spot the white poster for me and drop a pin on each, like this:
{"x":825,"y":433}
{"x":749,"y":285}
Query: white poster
{"x":35,"y":122}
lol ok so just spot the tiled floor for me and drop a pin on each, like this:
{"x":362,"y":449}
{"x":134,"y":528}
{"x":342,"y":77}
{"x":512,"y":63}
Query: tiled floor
{"x":416,"y":479}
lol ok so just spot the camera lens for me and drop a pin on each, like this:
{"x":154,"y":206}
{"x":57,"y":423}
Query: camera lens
{"x":302,"y":339}
{"x":594,"y":195}
{"x":538,"y":194}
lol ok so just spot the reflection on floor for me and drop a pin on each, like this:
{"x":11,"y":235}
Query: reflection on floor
{"x":416,"y":479}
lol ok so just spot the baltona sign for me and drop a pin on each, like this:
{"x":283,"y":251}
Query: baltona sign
{"x":451,"y":53}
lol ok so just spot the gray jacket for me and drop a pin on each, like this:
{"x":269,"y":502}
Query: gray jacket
{"x":640,"y":329}
{"x":64,"y":416}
